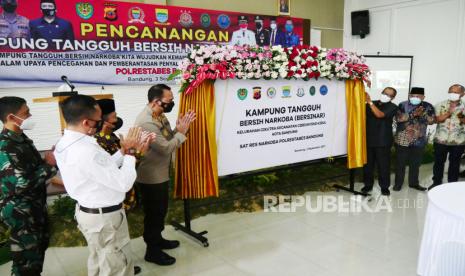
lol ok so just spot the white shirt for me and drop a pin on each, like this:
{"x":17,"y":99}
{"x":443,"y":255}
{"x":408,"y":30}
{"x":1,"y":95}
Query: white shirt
{"x":243,"y":37}
{"x":91,"y":176}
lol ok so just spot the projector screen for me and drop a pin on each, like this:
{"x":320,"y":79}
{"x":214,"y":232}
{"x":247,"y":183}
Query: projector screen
{"x":394,"y":71}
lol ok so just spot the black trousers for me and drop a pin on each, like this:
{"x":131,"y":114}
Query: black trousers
{"x":440,"y":156}
{"x":155,"y":205}
{"x":411,"y":157}
{"x":379,"y":158}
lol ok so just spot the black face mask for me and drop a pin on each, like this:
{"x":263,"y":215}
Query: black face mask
{"x":258,"y":25}
{"x":48,"y":12}
{"x":167,"y":107}
{"x":118,"y":124}
{"x":9,"y":7}
{"x":99,"y":125}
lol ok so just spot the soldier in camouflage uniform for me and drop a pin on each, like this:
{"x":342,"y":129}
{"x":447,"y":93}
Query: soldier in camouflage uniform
{"x":23,"y":174}
{"x":11,"y":24}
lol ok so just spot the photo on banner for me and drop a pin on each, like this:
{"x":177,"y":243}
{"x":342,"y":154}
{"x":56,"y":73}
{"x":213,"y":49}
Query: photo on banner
{"x":106,"y":43}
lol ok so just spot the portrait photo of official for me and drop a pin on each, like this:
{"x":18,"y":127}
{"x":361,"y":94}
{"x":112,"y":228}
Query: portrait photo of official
{"x":50,"y":26}
{"x":243,"y":36}
{"x":12,"y":25}
{"x":284,"y":7}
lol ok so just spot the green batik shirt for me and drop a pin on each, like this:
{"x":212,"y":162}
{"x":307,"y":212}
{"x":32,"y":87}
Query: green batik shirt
{"x":451,"y":132}
{"x":23,"y":174}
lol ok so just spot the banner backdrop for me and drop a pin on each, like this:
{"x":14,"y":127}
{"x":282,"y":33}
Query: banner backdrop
{"x":110,"y":42}
{"x":262,"y":124}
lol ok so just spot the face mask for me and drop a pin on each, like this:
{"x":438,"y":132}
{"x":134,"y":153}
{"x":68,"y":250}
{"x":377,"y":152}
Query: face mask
{"x":454,"y":97}
{"x":258,"y":25}
{"x":415,"y":100}
{"x":27,"y":124}
{"x":167,"y":107}
{"x":385,"y":98}
{"x":48,"y":12}
{"x":243,"y":25}
{"x":289,"y":28}
{"x":273,"y":26}
{"x":118,"y":124}
{"x":9,"y":7}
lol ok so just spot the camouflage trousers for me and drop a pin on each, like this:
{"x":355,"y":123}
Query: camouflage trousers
{"x":29,"y":237}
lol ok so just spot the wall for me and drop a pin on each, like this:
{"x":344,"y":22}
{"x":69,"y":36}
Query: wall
{"x":432,"y":31}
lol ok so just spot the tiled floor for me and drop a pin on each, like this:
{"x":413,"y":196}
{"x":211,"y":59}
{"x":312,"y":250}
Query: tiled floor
{"x":299,"y":243}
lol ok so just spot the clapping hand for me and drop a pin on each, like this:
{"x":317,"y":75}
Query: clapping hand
{"x":147,"y":138}
{"x":183,"y":123}
{"x":419,"y":111}
{"x":132,"y":139}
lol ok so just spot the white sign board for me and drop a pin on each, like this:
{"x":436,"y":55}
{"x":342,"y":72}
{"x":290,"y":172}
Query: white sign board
{"x":268,"y":123}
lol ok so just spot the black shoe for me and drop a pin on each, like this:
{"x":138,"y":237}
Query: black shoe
{"x":159,"y":257}
{"x":366,"y":189}
{"x":167,"y":244}
{"x":397,"y":188}
{"x":385,"y":192}
{"x":418,"y":188}
{"x":137,"y":270}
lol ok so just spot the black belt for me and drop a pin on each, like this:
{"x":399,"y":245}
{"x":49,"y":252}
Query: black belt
{"x":101,"y":210}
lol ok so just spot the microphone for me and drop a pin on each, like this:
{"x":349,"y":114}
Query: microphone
{"x":65,"y":79}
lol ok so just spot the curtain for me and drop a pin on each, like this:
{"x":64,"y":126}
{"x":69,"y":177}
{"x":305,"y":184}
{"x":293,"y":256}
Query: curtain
{"x":196,"y":173}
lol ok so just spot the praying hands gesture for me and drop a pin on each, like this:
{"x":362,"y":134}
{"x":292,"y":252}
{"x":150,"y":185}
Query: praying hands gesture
{"x":184,"y":121}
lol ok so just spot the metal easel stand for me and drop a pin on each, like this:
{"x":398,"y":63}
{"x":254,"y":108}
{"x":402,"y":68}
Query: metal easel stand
{"x":351,"y":188}
{"x":186,"y":228}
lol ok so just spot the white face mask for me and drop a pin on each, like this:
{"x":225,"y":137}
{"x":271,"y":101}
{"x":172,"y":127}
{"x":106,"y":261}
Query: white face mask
{"x":273,"y":26}
{"x":385,"y":98}
{"x":454,"y":97}
{"x":27,"y":124}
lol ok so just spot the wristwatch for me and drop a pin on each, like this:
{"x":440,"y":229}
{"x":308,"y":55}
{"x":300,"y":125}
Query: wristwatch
{"x":131,"y":152}
{"x":371,"y":103}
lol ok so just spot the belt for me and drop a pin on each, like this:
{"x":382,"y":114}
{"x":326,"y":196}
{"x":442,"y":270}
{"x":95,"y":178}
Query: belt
{"x":101,"y":210}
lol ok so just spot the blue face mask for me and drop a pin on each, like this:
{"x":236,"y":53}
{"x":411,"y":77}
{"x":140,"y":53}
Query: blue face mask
{"x":289,"y":28}
{"x":415,"y":100}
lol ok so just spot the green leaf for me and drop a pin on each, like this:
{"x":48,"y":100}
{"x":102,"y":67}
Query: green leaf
{"x":174,"y":74}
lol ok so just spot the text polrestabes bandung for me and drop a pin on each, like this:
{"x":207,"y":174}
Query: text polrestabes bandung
{"x":280,"y":141}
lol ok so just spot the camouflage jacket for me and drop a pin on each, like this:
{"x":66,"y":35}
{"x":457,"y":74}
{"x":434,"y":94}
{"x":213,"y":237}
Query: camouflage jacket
{"x":23,"y":172}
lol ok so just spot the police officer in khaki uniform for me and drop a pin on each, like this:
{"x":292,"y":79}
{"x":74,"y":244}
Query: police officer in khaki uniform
{"x":153,"y":173}
{"x":12,"y":25}
{"x":262,"y":35}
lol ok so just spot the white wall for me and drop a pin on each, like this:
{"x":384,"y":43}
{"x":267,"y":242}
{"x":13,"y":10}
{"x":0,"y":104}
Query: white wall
{"x":129,"y":101}
{"x":433,"y":31}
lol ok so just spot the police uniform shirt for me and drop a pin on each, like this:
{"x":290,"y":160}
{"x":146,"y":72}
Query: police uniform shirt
{"x":92,"y":176}
{"x":262,"y":37}
{"x":243,"y":37}
{"x":16,"y":28}
{"x":57,"y":29}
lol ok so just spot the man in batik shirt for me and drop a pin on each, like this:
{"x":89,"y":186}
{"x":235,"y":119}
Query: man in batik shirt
{"x":108,"y":140}
{"x":410,"y":139}
{"x":449,"y":139}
